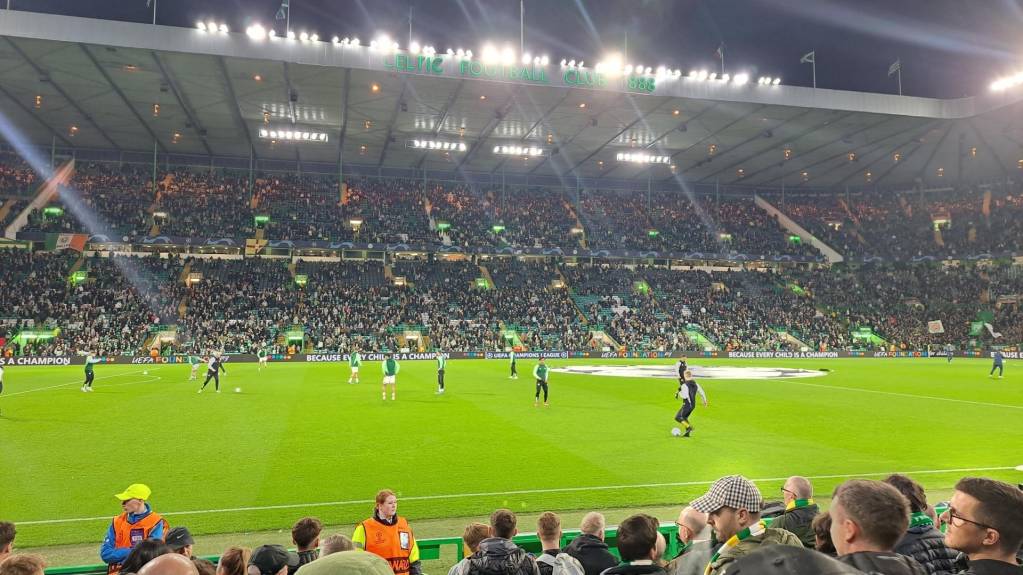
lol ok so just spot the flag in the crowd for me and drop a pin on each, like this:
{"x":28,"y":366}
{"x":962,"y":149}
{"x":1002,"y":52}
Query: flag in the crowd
{"x":66,"y":241}
{"x":808,"y":58}
{"x":992,"y":331}
{"x":975,"y":328}
{"x":720,"y":51}
{"x":895,"y":67}
{"x":935,"y":326}
{"x":281,"y":11}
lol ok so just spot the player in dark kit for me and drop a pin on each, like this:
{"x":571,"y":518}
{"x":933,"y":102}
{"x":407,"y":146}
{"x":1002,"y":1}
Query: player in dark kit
{"x":90,"y":375}
{"x":213,"y":369}
{"x":687,"y":391}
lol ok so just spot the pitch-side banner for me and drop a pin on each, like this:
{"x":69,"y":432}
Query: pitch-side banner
{"x":372,"y":357}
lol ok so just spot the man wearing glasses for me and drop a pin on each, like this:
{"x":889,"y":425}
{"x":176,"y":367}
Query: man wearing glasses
{"x":799,"y":510}
{"x":693,"y":555}
{"x":985,"y":521}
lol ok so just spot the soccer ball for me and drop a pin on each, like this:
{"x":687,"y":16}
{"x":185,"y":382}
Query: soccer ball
{"x":237,"y":390}
{"x":676,"y":431}
{"x":145,"y":372}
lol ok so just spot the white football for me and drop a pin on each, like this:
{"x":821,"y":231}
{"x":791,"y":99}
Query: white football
{"x":237,"y":390}
{"x":145,"y":372}
{"x":676,"y":431}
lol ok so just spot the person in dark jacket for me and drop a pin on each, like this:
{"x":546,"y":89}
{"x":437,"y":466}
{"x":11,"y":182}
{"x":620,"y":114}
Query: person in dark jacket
{"x":922,"y":541}
{"x":637,"y":544}
{"x":497,"y":554}
{"x":799,"y":510}
{"x":589,"y":547}
{"x":867,"y":519}
{"x":983,"y":520}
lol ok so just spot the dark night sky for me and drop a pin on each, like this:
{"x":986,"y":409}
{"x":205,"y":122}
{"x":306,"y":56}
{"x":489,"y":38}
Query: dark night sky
{"x":949,"y":48}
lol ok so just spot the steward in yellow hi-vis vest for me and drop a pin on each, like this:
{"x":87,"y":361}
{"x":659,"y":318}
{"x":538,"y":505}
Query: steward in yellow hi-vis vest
{"x":389,"y":536}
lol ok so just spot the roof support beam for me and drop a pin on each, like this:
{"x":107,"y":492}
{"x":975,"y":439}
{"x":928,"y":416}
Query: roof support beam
{"x":182,"y":101}
{"x":120,"y":94}
{"x":543,"y":117}
{"x":705,"y":138}
{"x":443,"y":117}
{"x":757,"y":137}
{"x":928,"y":127}
{"x":801,"y":169}
{"x":291,"y":107}
{"x":499,"y":115}
{"x":987,"y":146}
{"x":35,"y":117}
{"x":390,"y":124}
{"x":344,"y":114}
{"x":72,"y":101}
{"x":923,"y":171}
{"x":578,"y":133}
{"x":667,"y":132}
{"x":888,"y":151}
{"x":639,"y":118}
{"x":236,"y":107}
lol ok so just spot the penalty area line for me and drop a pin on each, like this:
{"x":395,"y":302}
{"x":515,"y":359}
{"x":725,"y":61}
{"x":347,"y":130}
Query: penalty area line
{"x":517,"y":492}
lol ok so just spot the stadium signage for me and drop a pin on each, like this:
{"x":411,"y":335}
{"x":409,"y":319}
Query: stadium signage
{"x":30,"y":360}
{"x":584,"y":78}
{"x":527,"y":355}
{"x":783,"y":354}
{"x":477,"y":69}
{"x":411,"y":63}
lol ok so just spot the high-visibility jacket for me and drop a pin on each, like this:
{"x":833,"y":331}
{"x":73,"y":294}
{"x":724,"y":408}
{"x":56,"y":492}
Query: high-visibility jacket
{"x":392,"y":541}
{"x":127,"y":535}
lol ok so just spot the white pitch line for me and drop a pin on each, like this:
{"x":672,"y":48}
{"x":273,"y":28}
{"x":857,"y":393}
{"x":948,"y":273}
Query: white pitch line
{"x":75,"y":382}
{"x":517,"y":492}
{"x":895,"y":393}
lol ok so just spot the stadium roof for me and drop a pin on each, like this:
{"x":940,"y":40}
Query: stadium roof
{"x":216,"y":92}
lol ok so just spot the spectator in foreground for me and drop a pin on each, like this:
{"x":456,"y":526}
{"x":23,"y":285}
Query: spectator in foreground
{"x":984,"y":523}
{"x":589,"y":547}
{"x":23,"y":565}
{"x":733,"y":506}
{"x":822,"y":534}
{"x":867,"y":519}
{"x":204,"y":566}
{"x":143,"y":553}
{"x":472,"y":536}
{"x":389,"y":536}
{"x":170,"y":564}
{"x":352,"y":562}
{"x":7,"y":533}
{"x":180,"y":541}
{"x":548,"y":529}
{"x":693,"y":556}
{"x":789,"y":560}
{"x":922,"y":540}
{"x":637,"y":545}
{"x":306,"y":536}
{"x":271,"y":560}
{"x":800,"y":510}
{"x":234,"y":561}
{"x":335,"y":544}
{"x":497,"y":553}
{"x":136,"y":523}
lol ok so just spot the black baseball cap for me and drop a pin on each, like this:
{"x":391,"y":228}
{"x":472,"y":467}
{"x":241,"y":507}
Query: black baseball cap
{"x":179,"y":537}
{"x":270,"y":559}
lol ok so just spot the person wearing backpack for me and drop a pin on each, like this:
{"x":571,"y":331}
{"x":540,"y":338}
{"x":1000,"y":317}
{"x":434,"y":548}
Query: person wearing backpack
{"x":553,"y":561}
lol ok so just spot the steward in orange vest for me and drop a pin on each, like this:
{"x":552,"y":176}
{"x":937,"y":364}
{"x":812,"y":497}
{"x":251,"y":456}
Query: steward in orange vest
{"x":389,"y":536}
{"x":137,"y":523}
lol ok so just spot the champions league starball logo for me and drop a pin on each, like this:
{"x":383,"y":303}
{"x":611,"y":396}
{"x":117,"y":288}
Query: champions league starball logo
{"x":700,"y":372}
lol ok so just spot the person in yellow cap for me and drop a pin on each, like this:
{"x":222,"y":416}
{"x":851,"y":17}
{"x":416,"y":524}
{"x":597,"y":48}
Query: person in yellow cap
{"x":137,"y":523}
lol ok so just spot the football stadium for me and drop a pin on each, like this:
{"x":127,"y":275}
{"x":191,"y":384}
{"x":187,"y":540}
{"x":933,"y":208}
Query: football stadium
{"x":509,"y":288}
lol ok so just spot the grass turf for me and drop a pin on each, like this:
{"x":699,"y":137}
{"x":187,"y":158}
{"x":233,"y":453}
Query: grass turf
{"x":299,"y":441}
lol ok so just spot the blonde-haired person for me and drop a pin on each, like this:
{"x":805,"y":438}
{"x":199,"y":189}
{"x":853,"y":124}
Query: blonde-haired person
{"x":389,"y":536}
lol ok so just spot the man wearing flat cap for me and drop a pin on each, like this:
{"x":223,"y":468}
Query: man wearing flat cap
{"x":733,"y":506}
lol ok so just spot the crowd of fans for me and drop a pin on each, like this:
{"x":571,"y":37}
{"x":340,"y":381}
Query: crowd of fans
{"x":113,"y":304}
{"x":882,"y":527}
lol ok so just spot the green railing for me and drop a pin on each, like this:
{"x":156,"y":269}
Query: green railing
{"x":430,"y":549}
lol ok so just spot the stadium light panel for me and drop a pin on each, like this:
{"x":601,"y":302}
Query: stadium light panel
{"x":314,"y":37}
{"x":526,"y":59}
{"x":256,"y":32}
{"x":304,"y":36}
{"x":224,"y":29}
{"x":490,"y":54}
{"x":335,"y":40}
{"x":291,"y":135}
{"x":740,"y":79}
{"x":211,"y":26}
{"x":524,"y":151}
{"x":272,"y":34}
{"x":414,"y":47}
{"x":702,"y":75}
{"x":419,"y":144}
{"x":641,"y":158}
{"x":776,"y":81}
{"x":544,"y":60}
{"x":291,"y":34}
{"x":725,"y":78}
{"x":507,"y":56}
{"x":201,"y":26}
{"x":355,"y":41}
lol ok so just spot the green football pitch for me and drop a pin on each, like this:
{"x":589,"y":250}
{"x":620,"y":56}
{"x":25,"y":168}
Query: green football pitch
{"x":298,"y":440}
